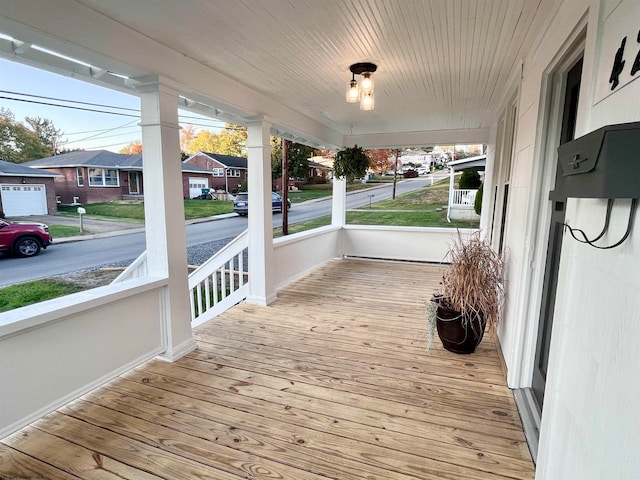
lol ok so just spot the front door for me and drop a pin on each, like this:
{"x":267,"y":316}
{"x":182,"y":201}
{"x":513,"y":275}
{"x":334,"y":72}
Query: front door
{"x":554,"y":244}
{"x":134,"y":183}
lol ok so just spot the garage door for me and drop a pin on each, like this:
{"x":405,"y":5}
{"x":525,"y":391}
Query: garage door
{"x":20,"y":200}
{"x":196,"y":185}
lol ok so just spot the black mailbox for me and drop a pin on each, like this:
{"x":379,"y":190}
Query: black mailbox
{"x":602,"y":164}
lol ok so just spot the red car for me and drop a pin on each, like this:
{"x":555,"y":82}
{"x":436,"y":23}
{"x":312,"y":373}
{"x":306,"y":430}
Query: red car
{"x":23,"y":239}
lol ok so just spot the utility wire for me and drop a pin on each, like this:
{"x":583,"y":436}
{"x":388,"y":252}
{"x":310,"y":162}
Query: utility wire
{"x":70,"y":107}
{"x":70,"y":101}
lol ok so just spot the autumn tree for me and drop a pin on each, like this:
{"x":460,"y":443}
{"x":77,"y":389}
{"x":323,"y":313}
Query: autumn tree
{"x":17,"y":142}
{"x":132,"y":149}
{"x":232,"y":140}
{"x":380,"y":161}
{"x":187,"y":134}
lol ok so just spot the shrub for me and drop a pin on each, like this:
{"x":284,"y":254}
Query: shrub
{"x":470,"y":180}
{"x":410,"y":174}
{"x":477,"y":205}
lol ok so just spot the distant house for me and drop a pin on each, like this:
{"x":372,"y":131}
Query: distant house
{"x":103,"y":176}
{"x":26,"y":191}
{"x":461,"y":202}
{"x":317,"y":169}
{"x":228,"y":172}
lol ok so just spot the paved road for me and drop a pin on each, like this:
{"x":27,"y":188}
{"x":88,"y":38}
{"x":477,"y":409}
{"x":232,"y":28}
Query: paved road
{"x":68,"y":257}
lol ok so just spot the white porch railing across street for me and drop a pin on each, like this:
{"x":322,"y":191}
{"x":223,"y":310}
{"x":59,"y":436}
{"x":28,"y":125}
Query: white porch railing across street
{"x":463,"y":197}
{"x":220,"y":282}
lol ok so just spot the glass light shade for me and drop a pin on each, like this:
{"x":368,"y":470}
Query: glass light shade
{"x":367,"y":83}
{"x":367,"y":101}
{"x":353,"y":92}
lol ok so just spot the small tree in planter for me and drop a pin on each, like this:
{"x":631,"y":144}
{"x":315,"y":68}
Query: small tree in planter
{"x":472,"y":294}
{"x":350,"y":163}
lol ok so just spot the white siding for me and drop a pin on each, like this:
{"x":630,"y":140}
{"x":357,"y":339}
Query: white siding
{"x":591,"y":418}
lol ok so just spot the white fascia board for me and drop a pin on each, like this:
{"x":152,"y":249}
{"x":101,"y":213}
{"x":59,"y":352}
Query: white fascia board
{"x":77,"y":31}
{"x":412,"y":139}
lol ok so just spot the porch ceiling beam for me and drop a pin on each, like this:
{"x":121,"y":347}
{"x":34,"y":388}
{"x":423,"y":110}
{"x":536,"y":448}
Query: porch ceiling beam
{"x":412,"y":139}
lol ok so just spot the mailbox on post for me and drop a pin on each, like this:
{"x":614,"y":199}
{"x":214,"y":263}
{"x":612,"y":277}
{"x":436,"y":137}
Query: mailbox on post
{"x":81,"y":211}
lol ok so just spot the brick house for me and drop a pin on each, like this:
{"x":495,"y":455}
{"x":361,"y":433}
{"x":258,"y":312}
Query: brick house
{"x":26,"y":191}
{"x":103,"y":176}
{"x":228,"y":172}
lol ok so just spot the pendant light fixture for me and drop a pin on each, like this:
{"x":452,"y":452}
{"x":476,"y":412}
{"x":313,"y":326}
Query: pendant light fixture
{"x":362,"y":92}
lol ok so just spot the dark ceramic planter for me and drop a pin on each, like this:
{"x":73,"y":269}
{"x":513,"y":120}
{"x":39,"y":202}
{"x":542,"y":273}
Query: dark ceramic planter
{"x":459,"y":333}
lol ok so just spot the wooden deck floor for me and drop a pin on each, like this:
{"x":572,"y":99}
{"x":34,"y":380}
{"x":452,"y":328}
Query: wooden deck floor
{"x":331,"y":381}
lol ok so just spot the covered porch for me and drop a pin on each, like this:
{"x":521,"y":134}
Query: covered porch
{"x":331,"y":380}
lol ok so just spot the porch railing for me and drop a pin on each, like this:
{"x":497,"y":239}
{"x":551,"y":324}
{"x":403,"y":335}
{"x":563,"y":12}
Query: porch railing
{"x":463,"y":197}
{"x":220,"y":282}
{"x":136,"y":269}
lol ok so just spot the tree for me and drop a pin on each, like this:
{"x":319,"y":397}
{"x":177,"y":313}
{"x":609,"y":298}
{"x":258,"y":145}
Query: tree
{"x":470,"y":180}
{"x":230,"y":141}
{"x":381,"y":160}
{"x":298,"y":156}
{"x":18,"y":143}
{"x":299,"y":159}
{"x":133,"y":148}
{"x":48,"y":134}
{"x":276,"y":157}
{"x":187,"y":134}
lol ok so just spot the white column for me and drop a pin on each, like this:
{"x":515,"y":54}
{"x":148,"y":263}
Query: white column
{"x":262,"y":290}
{"x":451,"y":176}
{"x":164,"y":210}
{"x":339,"y":202}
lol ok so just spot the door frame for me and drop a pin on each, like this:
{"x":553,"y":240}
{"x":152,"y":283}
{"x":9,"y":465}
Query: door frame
{"x":138,"y":181}
{"x":538,"y":220}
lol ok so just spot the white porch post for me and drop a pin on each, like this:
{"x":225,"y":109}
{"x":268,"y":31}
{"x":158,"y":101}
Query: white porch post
{"x":262,"y":289}
{"x":164,"y":210}
{"x":451,"y":175}
{"x":339,"y":202}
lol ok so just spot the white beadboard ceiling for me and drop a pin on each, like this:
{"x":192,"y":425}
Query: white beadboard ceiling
{"x":442,"y":64}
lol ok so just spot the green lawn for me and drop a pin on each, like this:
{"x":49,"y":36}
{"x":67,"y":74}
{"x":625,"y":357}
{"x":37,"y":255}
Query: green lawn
{"x":59,"y":231}
{"x":17,"y":296}
{"x":304,"y":195}
{"x":134,"y":212}
{"x":426,"y":207}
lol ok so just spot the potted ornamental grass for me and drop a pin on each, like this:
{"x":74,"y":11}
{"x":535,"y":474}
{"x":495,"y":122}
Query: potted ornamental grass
{"x":471,"y":297}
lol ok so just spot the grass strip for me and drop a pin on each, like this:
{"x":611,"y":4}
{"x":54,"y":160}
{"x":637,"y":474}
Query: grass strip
{"x":16,"y":296}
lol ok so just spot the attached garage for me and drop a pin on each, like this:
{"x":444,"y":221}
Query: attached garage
{"x":196,"y":185}
{"x":22,"y":200}
{"x":26,"y":191}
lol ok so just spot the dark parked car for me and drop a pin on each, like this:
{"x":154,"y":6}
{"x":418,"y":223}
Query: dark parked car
{"x":241,"y":205}
{"x":23,"y":239}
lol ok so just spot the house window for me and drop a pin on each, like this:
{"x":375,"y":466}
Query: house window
{"x":218,"y":172}
{"x":233,"y":172}
{"x":80,"y":176}
{"x":103,"y":177}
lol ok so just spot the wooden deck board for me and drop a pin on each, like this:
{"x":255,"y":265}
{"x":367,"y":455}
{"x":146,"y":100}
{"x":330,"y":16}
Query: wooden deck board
{"x":332,"y":381}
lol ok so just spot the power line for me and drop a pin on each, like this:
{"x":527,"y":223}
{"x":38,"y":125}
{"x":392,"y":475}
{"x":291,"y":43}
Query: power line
{"x":106,"y":131}
{"x":70,"y":101}
{"x":101,"y":137}
{"x":70,"y":107}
